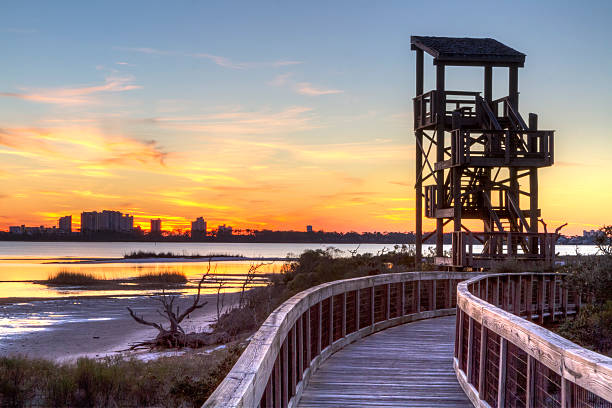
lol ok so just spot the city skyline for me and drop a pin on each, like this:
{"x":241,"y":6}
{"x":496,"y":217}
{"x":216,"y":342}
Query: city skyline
{"x":189,"y":115}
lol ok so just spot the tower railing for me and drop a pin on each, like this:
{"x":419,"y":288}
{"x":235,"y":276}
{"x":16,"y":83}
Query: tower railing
{"x":308,"y":328}
{"x":489,"y":148}
{"x":502,"y":359}
{"x":499,"y":245}
{"x":427,"y":109}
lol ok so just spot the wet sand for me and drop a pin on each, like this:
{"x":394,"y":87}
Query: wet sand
{"x":65,"y":329}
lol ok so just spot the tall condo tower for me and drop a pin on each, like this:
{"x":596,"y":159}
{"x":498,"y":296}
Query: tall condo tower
{"x":477,"y":160}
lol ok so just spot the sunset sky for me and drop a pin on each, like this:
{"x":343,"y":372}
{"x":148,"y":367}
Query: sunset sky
{"x":274,"y":115}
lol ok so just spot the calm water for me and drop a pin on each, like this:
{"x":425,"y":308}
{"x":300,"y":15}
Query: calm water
{"x":28,"y":261}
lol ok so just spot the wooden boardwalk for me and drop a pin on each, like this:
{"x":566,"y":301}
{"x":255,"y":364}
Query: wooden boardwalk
{"x":404,"y":366}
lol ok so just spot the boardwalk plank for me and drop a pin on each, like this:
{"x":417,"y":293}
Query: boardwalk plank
{"x":405,"y":366}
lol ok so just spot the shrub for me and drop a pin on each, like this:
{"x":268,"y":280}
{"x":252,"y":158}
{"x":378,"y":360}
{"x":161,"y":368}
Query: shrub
{"x":592,"y":328}
{"x":591,"y":276}
{"x":169,"y":381}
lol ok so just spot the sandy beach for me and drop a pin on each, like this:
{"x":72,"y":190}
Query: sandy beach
{"x":65,"y":329}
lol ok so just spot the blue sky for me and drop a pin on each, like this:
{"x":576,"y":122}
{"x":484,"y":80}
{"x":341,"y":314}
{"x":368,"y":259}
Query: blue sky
{"x":263,"y":102}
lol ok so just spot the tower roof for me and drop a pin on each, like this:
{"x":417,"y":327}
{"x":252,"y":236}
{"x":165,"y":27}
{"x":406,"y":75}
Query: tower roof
{"x":468,"y":51}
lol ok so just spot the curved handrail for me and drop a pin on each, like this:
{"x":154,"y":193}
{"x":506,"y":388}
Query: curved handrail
{"x":503,"y":359}
{"x":308,"y":328}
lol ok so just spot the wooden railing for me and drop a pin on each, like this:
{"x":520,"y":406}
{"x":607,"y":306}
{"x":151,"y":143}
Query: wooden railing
{"x":491,"y":148}
{"x":504,"y":360}
{"x":427,"y":107}
{"x":498,"y":245}
{"x":312,"y":325}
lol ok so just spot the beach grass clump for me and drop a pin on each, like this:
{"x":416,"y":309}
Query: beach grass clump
{"x":183,"y":381}
{"x":162,"y":277}
{"x":71,"y":278}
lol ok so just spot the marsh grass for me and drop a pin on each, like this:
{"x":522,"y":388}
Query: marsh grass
{"x":184,"y":381}
{"x":148,"y":254}
{"x":70,"y":278}
{"x":169,"y":277}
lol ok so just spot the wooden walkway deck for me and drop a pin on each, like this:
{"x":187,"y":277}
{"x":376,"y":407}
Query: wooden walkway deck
{"x":404,"y":366}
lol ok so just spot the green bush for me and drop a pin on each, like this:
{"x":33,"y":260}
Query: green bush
{"x":591,"y":276}
{"x":592,"y":328}
{"x":169,"y":381}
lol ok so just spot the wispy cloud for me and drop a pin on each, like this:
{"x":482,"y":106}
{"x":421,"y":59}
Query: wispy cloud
{"x":74,"y":95}
{"x":217,"y":59}
{"x":81,"y":146}
{"x":302,"y":88}
{"x":241,"y":122}
{"x":306,"y":88}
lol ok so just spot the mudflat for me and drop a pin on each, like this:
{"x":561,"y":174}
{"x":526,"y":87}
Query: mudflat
{"x":65,"y":329}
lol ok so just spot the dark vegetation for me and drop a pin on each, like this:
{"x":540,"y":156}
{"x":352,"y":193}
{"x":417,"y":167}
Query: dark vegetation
{"x":162,"y":277}
{"x":182,"y":381}
{"x":75,"y":278}
{"x":68,"y":278}
{"x":592,"y":276}
{"x":148,"y":254}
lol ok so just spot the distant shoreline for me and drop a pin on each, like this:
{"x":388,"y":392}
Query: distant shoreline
{"x":169,"y":260}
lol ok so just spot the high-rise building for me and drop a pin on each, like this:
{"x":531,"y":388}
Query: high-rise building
{"x":198,"y":227}
{"x":309,"y":228}
{"x":65,"y":224}
{"x":156,"y":226}
{"x":107,"y":221}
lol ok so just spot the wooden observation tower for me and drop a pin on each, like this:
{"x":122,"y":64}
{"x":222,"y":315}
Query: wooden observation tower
{"x":477,"y":159}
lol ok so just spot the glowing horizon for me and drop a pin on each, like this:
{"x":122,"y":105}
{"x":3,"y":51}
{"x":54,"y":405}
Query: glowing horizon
{"x":269,"y":123}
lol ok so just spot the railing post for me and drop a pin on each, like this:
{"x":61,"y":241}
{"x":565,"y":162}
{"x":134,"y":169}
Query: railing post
{"x":460,"y":337}
{"x":553,"y":297}
{"x":496,"y":297}
{"x":331,"y":320}
{"x":529,"y":392}
{"x":416,"y":298}
{"x":564,"y":296}
{"x":565,"y":400}
{"x":528,"y":296}
{"x":501,"y":387}
{"x":293,"y":359}
{"x":308,"y":345}
{"x":403,"y":296}
{"x":268,"y":393}
{"x":518,"y":287}
{"x":433,"y":296}
{"x":343,"y":333}
{"x":285,"y":372}
{"x":300,"y":346}
{"x":372,"y":303}
{"x":320,"y":330}
{"x":357,"y":309}
{"x":541,"y":298}
{"x":470,"y":355}
{"x":483,"y":361}
{"x":277,"y":383}
{"x":388,"y":311}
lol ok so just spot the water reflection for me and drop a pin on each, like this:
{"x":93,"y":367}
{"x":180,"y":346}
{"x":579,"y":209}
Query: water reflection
{"x":16,"y":278}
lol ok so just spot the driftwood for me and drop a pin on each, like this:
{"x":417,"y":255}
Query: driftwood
{"x":174,"y":335}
